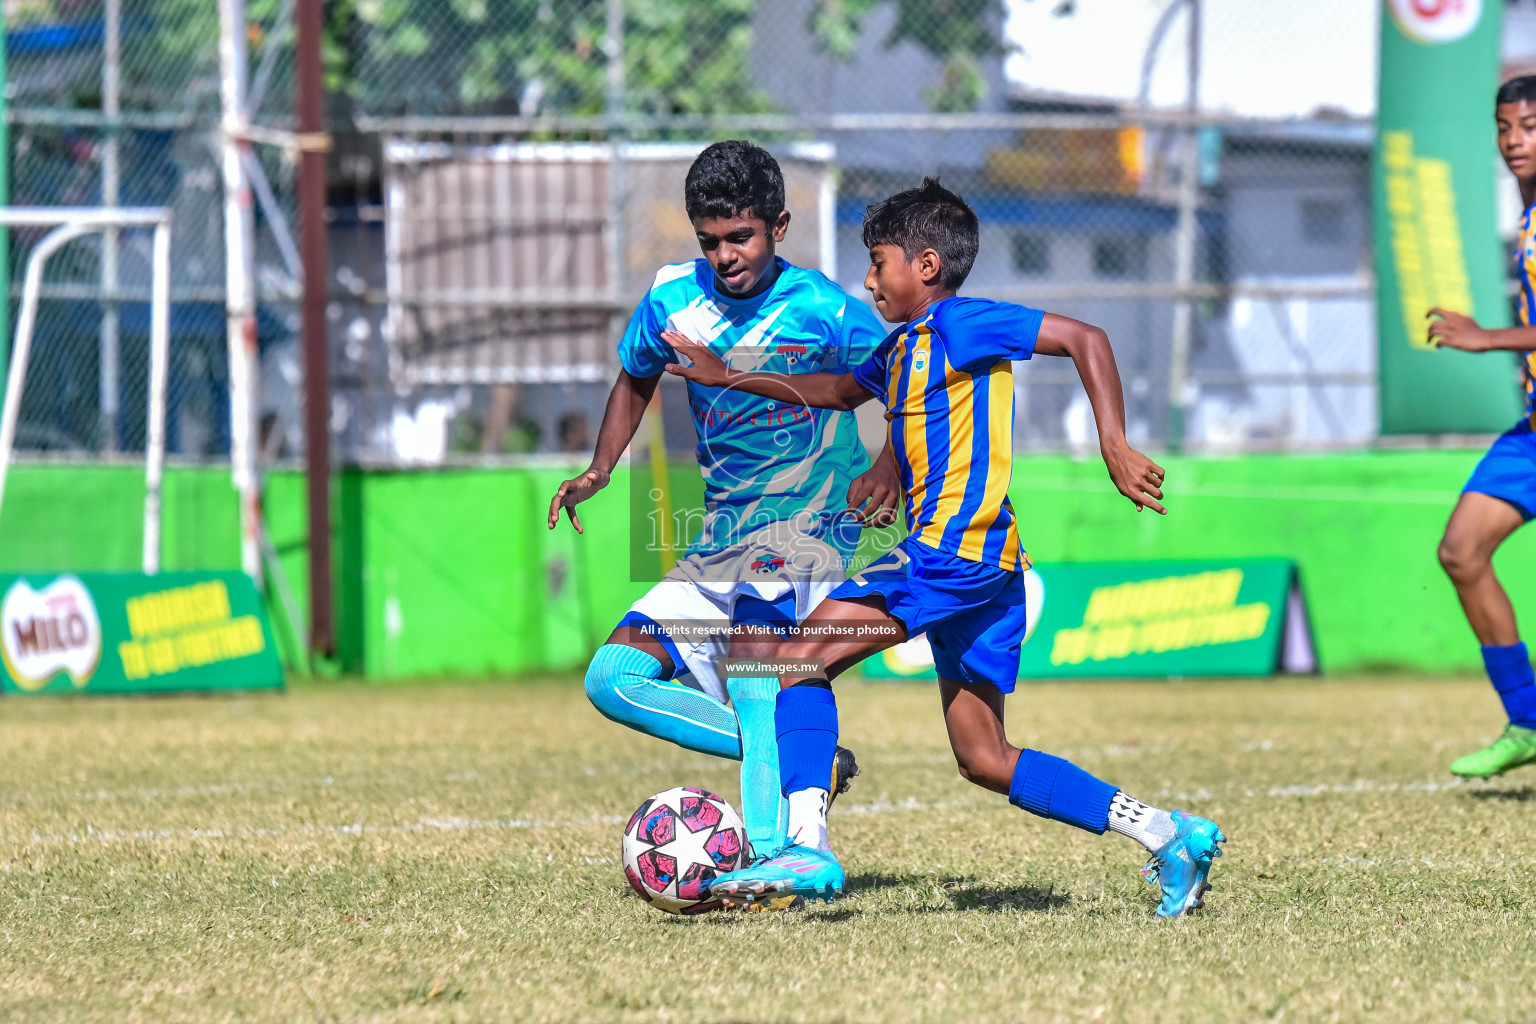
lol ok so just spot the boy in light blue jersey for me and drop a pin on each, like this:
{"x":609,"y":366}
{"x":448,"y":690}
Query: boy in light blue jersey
{"x":946,"y":379}
{"x":787,"y":488}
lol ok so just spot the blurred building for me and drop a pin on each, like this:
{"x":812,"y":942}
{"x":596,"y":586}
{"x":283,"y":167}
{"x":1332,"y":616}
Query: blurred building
{"x":1079,"y":219}
{"x":1081,"y":222}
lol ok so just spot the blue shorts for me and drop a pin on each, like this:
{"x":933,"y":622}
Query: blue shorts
{"x":973,"y":613}
{"x":1508,"y":471}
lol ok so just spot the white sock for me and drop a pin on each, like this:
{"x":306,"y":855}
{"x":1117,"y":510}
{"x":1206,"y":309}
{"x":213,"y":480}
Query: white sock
{"x":1148,"y":825}
{"x":808,"y":819}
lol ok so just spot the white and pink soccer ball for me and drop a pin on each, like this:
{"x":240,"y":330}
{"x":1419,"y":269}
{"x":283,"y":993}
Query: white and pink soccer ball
{"x":678,"y":842}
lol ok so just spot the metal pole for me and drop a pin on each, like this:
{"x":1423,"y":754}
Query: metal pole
{"x":1184,"y":241}
{"x":1149,"y":55}
{"x":618,"y":204}
{"x":317,"y":392}
{"x":110,"y":178}
{"x":159,"y":356}
{"x":613,"y":47}
{"x":239,"y":282}
{"x":5,"y":200}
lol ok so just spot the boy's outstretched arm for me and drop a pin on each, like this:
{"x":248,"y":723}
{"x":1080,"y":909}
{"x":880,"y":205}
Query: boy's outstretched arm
{"x":1135,"y":476}
{"x":626,"y":405}
{"x":1450,"y":329}
{"x":818,"y":390}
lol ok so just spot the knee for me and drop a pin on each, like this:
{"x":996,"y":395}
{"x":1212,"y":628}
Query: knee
{"x":601,"y":681}
{"x":796,"y":649}
{"x":984,"y":766}
{"x":611,"y":667}
{"x":801,"y":650}
{"x":1460,"y":559}
{"x":755,"y":647}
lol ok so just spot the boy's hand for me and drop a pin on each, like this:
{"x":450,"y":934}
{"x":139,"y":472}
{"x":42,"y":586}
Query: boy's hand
{"x":1136,"y":476}
{"x":572,"y":493}
{"x":707,"y":369}
{"x":1449,"y":329}
{"x":875,"y":495}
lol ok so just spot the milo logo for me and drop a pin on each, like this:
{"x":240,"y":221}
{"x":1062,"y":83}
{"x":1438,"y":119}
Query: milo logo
{"x":1436,"y":21}
{"x":45,"y":632}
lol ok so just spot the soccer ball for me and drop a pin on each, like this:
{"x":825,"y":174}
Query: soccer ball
{"x":679,"y":841}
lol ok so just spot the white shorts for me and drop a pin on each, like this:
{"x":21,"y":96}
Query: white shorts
{"x":696,"y":603}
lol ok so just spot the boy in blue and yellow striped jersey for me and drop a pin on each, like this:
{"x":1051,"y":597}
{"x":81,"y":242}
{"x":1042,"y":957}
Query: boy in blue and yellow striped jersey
{"x":946,"y":378}
{"x":1501,"y":495}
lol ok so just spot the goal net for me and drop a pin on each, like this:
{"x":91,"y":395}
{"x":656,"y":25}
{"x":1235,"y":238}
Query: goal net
{"x":89,"y":358}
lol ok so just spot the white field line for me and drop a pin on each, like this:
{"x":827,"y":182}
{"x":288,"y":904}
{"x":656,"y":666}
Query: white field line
{"x":1403,"y":862}
{"x":468,"y":776}
{"x":1318,"y":789}
{"x":430,"y":825}
{"x":471,"y":776}
{"x":425,"y":825}
{"x":91,"y":834}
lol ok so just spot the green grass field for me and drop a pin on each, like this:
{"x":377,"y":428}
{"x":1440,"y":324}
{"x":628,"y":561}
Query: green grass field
{"x":450,"y":852}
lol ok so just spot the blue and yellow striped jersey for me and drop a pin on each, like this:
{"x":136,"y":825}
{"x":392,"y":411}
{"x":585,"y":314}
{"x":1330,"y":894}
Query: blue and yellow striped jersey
{"x":1525,"y":258}
{"x":947,"y":383}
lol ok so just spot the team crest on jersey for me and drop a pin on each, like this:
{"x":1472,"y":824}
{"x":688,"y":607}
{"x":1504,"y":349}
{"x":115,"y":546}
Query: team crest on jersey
{"x":792,"y":352}
{"x":768,"y":565}
{"x":919,"y":359}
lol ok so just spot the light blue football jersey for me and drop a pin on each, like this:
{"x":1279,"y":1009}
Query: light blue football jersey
{"x":762,"y":461}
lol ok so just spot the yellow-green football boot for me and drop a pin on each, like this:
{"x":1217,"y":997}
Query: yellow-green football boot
{"x":1515,"y":747}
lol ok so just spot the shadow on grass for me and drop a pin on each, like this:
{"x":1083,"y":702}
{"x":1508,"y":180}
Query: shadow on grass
{"x":965,"y":893}
{"x":927,"y":894}
{"x":874,"y":881}
{"x":1523,"y":795}
{"x":1008,"y":897}
{"x":837,"y":915}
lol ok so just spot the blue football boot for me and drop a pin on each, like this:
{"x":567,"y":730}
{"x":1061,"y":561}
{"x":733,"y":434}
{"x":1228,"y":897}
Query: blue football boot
{"x":1180,"y":866}
{"x":793,"y":871}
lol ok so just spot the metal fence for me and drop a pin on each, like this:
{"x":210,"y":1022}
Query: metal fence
{"x":506,"y":176}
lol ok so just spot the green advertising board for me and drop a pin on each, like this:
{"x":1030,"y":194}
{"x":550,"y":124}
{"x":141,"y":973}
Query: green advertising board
{"x":131,"y":633}
{"x":1095,"y":620}
{"x":1436,"y":230}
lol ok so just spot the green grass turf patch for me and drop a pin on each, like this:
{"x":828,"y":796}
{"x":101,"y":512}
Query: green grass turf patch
{"x":451,"y":853}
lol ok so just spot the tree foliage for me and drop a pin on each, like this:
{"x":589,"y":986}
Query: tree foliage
{"x":505,"y":56}
{"x":681,"y":56}
{"x":527,"y":56}
{"x":960,"y":33}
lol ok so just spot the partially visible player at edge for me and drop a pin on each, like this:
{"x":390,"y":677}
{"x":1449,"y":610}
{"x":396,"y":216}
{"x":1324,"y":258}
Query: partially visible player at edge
{"x":777,"y":478}
{"x":1501,"y":495}
{"x":946,"y":378}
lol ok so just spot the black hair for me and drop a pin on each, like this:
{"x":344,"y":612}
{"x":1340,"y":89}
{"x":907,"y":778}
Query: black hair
{"x":1517,"y":90}
{"x":734,"y":177}
{"x":927,"y":217}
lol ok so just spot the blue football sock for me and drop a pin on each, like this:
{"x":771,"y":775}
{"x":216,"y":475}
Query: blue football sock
{"x":764,"y":811}
{"x":805,"y":718}
{"x":1509,"y":668}
{"x":625,"y":684}
{"x":806,"y":721}
{"x":1060,"y":790}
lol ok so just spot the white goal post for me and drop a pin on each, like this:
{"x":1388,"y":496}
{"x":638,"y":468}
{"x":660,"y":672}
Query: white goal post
{"x":69,"y":223}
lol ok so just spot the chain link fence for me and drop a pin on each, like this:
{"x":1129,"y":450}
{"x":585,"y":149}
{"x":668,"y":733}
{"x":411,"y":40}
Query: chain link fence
{"x":506,"y":176}
{"x":118,"y":105}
